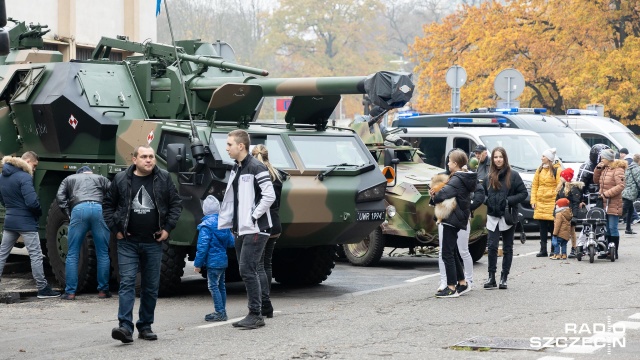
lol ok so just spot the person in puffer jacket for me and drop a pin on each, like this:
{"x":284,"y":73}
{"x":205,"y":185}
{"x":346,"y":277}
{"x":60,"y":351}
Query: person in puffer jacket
{"x":609,"y":174}
{"x":572,"y":190}
{"x":212,"y":253}
{"x":631,"y":191}
{"x":543,"y":196}
{"x":561,"y":229}
{"x":460,"y":186}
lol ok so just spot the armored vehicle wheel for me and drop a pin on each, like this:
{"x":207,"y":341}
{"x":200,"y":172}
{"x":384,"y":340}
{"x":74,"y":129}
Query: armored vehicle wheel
{"x":172,"y":268}
{"x":308,"y":266}
{"x":478,"y":247}
{"x":57,"y":248}
{"x":368,"y":251}
{"x":592,"y":253}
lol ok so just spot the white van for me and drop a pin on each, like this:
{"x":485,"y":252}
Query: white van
{"x":601,"y":130}
{"x":524,"y":149}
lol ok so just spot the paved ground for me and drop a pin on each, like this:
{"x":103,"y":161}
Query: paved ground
{"x":387,"y":311}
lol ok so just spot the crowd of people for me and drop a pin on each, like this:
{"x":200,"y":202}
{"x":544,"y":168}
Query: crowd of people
{"x":558,"y":201}
{"x":140,"y":207}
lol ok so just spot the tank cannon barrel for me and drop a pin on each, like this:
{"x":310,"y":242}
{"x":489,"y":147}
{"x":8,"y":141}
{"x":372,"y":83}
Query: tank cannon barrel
{"x":386,"y":89}
{"x":221,"y":63}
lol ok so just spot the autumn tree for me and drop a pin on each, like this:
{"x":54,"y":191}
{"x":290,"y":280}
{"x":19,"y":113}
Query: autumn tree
{"x":571,"y":53}
{"x":337,"y":38}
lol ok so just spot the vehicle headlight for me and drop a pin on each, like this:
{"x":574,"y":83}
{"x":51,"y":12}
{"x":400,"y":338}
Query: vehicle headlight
{"x":527,"y":184}
{"x":391,"y":211}
{"x":372,"y":194}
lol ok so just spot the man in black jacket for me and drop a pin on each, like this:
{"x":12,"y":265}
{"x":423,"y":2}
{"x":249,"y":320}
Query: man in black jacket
{"x":141,"y":208}
{"x":80,"y":197}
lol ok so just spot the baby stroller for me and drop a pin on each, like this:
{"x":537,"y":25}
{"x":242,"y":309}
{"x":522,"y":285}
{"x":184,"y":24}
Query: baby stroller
{"x":593,"y":223}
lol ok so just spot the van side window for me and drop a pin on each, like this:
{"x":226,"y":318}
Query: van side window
{"x":465,"y":144}
{"x":434,"y":149}
{"x":593,"y":139}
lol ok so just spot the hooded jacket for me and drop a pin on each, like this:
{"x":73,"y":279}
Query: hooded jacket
{"x":460,"y":186}
{"x":18,"y":195}
{"x":562,"y":223}
{"x":631,"y":182}
{"x":211,"y":251}
{"x":543,"y":192}
{"x":497,"y":199}
{"x":611,"y":181}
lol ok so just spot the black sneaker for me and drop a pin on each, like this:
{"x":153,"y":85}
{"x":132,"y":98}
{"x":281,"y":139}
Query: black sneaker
{"x":122,"y":334}
{"x":447,"y":293}
{"x":630,"y":232}
{"x":572,"y":254}
{"x":251,"y":321}
{"x":47,"y":293}
{"x":147,"y":334}
{"x":463,"y":289}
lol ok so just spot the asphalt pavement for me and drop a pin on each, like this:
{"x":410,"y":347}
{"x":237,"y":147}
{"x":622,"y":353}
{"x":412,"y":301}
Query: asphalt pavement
{"x":552,"y":310}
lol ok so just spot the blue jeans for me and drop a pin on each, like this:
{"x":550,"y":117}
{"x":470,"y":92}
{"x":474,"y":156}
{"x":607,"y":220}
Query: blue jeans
{"x":215,"y":278}
{"x":148,"y":257}
{"x":612,"y":225}
{"x":84,"y":217}
{"x":554,"y":245}
{"x":249,"y":250}
{"x":560,"y":246}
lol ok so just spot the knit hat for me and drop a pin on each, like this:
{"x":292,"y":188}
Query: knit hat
{"x":550,"y":154}
{"x":564,"y":202}
{"x":210,"y":205}
{"x":624,"y":151}
{"x":84,"y":169}
{"x":567,"y":174}
{"x":607,"y":154}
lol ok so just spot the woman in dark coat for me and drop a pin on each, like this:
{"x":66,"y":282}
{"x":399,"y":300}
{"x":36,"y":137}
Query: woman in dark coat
{"x":460,"y":186}
{"x":503,"y":186}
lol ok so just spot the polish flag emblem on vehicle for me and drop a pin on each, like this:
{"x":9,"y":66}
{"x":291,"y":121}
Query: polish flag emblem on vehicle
{"x":150,"y":137}
{"x":73,"y":122}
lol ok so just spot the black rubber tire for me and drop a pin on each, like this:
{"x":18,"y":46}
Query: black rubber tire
{"x":172,"y":268}
{"x":478,"y":248}
{"x":592,"y":253}
{"x":579,"y":255}
{"x":309,"y":266}
{"x":368,"y":251}
{"x":612,"y":253}
{"x":57,"y":247}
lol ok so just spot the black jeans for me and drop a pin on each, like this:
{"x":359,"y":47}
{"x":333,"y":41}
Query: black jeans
{"x":249,"y":250}
{"x":452,"y":265}
{"x":265,"y":270}
{"x":627,"y":209}
{"x":507,"y":248}
{"x":546,"y":227}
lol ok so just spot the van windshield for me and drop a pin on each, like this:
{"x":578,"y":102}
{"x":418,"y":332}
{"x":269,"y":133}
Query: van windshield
{"x":524,"y":151}
{"x":319,"y":152}
{"x":570,"y":147}
{"x":627,"y":140}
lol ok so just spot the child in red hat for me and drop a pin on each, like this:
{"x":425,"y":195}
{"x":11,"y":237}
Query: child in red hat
{"x":571,"y":190}
{"x":561,"y":229}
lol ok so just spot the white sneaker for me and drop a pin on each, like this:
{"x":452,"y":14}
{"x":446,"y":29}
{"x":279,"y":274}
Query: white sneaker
{"x":635,"y":221}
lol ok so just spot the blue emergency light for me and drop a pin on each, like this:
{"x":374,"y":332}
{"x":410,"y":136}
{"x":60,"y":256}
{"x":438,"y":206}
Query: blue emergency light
{"x":521,"y":110}
{"x":582,"y":112}
{"x":476,"y":121}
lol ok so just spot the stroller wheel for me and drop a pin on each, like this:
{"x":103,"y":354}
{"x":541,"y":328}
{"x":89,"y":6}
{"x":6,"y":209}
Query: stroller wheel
{"x":592,"y":253}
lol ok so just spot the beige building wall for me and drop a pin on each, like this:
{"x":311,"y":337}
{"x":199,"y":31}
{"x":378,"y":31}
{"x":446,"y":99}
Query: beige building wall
{"x":77,"y":25}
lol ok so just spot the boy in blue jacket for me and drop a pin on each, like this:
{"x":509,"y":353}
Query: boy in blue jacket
{"x":212,"y":254}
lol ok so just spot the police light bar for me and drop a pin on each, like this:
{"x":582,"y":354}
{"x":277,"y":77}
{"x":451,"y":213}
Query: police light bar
{"x":476,"y":121}
{"x":402,"y":115}
{"x":581,"y":112}
{"x":521,"y":110}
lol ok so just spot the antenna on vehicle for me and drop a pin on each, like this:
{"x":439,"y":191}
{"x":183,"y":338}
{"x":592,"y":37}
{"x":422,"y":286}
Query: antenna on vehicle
{"x":197,"y":149}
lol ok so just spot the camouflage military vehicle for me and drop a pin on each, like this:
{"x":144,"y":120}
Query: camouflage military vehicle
{"x":95,"y":112}
{"x":409,"y":220}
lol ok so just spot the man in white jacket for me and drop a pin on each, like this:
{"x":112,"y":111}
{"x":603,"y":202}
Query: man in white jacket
{"x":245,"y":209}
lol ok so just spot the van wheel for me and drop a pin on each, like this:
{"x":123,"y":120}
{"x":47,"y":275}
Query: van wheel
{"x":478,"y":247}
{"x":308,"y":266}
{"x":57,"y":248}
{"x":368,"y":251}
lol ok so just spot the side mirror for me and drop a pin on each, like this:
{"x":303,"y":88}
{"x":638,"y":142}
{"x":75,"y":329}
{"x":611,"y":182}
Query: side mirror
{"x":4,"y":42}
{"x":176,"y":158}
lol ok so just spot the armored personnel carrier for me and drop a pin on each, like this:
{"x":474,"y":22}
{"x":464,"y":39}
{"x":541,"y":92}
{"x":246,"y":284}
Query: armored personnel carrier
{"x":182,"y":101}
{"x":409,"y":219}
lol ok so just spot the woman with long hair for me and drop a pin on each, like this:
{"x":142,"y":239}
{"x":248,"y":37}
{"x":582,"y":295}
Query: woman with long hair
{"x":503,"y":187}
{"x":544,"y":189}
{"x":456,"y":196}
{"x":265,"y":271}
